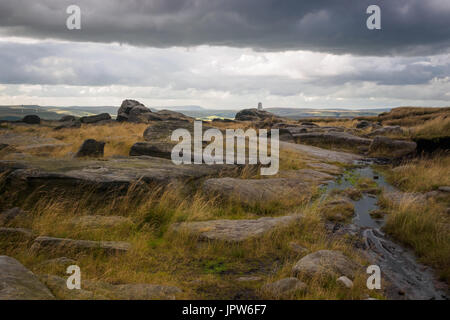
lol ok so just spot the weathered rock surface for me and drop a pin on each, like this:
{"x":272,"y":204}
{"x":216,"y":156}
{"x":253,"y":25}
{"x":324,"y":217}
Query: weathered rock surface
{"x":345,"y":282}
{"x":307,"y":175}
{"x":363,"y":124}
{"x":96,"y":118}
{"x":386,"y":130}
{"x":15,"y":235}
{"x":91,"y":148}
{"x":58,"y":286}
{"x":18,"y":283}
{"x":10,"y":215}
{"x":325,"y":263}
{"x":31,"y":119}
{"x":104,"y":291}
{"x":284,"y":287}
{"x":162,"y":131}
{"x":68,"y":118}
{"x":153,"y":149}
{"x":133,"y":111}
{"x":68,"y":125}
{"x":325,"y":167}
{"x":92,"y":222}
{"x":256,"y":190}
{"x":320,"y":153}
{"x":114,"y":173}
{"x":234,"y":230}
{"x":294,"y":246}
{"x":389,"y":148}
{"x":56,"y":245}
{"x":331,"y":138}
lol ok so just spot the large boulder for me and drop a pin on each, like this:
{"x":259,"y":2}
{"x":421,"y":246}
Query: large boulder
{"x":31,"y":119}
{"x":153,"y":149}
{"x":18,"y":283}
{"x":254,"y":115}
{"x":133,"y":111}
{"x":325,"y":263}
{"x":389,"y":148}
{"x":96,"y":118}
{"x":91,"y":148}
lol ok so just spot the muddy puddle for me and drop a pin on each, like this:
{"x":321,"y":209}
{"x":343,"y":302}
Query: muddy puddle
{"x":406,"y":278}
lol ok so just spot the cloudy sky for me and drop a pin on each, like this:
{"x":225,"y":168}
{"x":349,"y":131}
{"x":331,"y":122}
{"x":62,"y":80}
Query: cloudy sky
{"x":226,"y":53}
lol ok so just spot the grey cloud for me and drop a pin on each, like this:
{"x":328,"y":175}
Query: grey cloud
{"x":409,"y":27}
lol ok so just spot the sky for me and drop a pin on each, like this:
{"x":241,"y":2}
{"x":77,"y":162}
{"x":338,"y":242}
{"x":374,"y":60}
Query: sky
{"x":226,"y":54}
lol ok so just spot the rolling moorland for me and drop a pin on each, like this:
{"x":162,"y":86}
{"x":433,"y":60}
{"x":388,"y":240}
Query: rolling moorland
{"x":103,"y":194}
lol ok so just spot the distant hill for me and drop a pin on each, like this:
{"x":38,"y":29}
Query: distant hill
{"x":55,"y":113}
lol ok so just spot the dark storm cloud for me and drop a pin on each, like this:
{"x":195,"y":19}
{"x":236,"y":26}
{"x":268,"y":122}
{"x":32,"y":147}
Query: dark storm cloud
{"x":409,"y":27}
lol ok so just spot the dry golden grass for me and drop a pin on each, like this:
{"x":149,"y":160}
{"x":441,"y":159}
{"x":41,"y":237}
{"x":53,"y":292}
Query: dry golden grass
{"x":202,"y":270}
{"x":421,"y":174}
{"x":425,"y":227}
{"x":119,"y":137}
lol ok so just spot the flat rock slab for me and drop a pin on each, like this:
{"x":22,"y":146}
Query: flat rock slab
{"x":252,"y":191}
{"x":105,"y":174}
{"x":325,"y":263}
{"x":19,"y":283}
{"x":307,"y":175}
{"x":15,"y":235}
{"x":320,"y":153}
{"x":101,"y":290}
{"x":55,"y":245}
{"x":234,"y":230}
{"x":284,"y":287}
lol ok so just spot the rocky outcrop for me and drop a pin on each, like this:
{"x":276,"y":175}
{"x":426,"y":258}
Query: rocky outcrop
{"x":52,"y":245}
{"x":234,"y":230}
{"x":325,"y":263}
{"x":103,"y":175}
{"x":284,"y":287}
{"x":133,"y":111}
{"x":363,"y":124}
{"x":91,"y":148}
{"x":389,"y":148}
{"x":162,"y":131}
{"x":96,"y":118}
{"x":254,"y":115}
{"x":31,"y":119}
{"x":153,"y":149}
{"x":253,"y":191}
{"x":387,"y":130}
{"x":18,"y":283}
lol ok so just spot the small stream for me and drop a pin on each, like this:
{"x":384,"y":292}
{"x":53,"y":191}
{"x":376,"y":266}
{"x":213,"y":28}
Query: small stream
{"x":407,"y":278}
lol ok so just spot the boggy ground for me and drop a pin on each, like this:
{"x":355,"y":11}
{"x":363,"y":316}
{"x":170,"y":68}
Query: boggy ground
{"x":137,"y":213}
